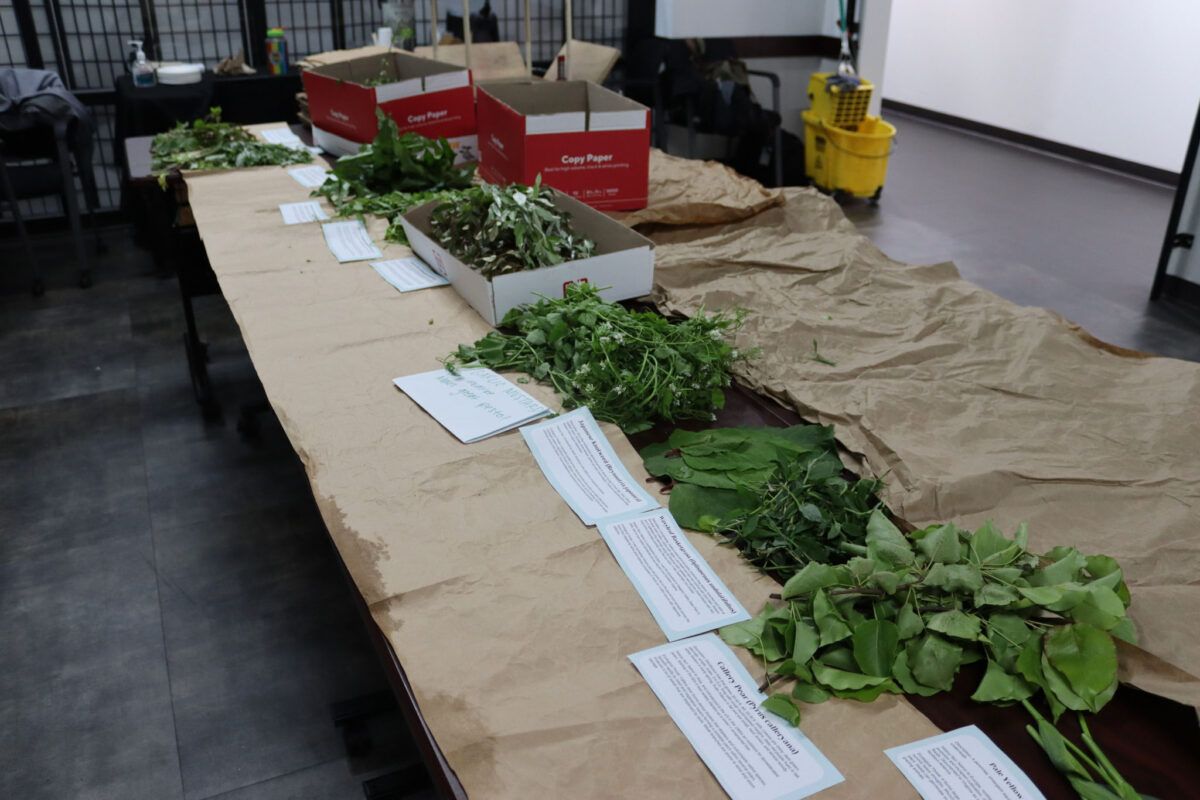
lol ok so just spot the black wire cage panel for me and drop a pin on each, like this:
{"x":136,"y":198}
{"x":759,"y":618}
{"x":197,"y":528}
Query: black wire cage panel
{"x":86,"y":42}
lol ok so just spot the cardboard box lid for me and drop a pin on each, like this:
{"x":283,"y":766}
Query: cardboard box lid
{"x":411,"y":74}
{"x":569,"y":106}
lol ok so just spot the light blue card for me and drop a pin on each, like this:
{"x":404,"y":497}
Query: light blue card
{"x":581,"y":465}
{"x":962,"y":763}
{"x":753,"y":754}
{"x":408,"y":274}
{"x":349,"y":241}
{"x":472,"y":403}
{"x":675,"y":582}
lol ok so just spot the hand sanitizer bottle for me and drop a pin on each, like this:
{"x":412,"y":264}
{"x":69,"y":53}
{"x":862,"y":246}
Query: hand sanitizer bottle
{"x":143,"y":73}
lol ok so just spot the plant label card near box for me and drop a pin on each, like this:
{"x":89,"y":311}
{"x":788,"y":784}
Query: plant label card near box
{"x":472,"y":403}
{"x":752,"y":753}
{"x":962,"y":763}
{"x":622,"y":267}
{"x":421,"y":95}
{"x":581,"y":138}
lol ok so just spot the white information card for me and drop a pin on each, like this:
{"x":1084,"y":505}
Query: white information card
{"x":754,"y":754}
{"x":582,"y":466}
{"x":349,"y":241}
{"x":308,"y":211}
{"x":678,"y":586}
{"x":309,"y":177}
{"x":473,"y":404}
{"x":408,"y":274}
{"x":963,"y":764}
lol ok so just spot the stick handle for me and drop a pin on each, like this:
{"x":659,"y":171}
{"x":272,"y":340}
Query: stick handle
{"x":528,"y":43}
{"x":433,"y":17}
{"x":570,"y":33}
{"x":467,"y":31}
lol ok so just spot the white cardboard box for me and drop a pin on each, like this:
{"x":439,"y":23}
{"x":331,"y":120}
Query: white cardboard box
{"x":622,"y":268}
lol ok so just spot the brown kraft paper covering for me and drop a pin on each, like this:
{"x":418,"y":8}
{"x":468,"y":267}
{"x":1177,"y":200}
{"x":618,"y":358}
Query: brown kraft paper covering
{"x":510,"y":617}
{"x":970,"y":407}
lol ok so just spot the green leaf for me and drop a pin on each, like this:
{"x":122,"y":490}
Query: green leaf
{"x":904,"y":677}
{"x":1041,"y":595}
{"x":1100,"y":607}
{"x":689,"y":503}
{"x":1086,"y":657}
{"x":1007,"y":634}
{"x":955,"y":623}
{"x":1055,"y":746}
{"x":1067,"y":568}
{"x":746,"y":634}
{"x":781,"y":705}
{"x":955,"y":577}
{"x":810,"y":693}
{"x":840,"y":679}
{"x":995,"y":594}
{"x":999,"y":685}
{"x":1090,"y":790}
{"x":885,"y":541}
{"x":990,"y":547}
{"x":875,"y":644}
{"x":1124,"y":631}
{"x":889,"y":582}
{"x":829,"y":622}
{"x":812,"y":577}
{"x":870,"y":693}
{"x":806,"y":642}
{"x":934,"y":661}
{"x":909,"y":622}
{"x":941,"y":544}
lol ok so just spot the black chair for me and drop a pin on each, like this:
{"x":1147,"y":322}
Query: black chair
{"x":46,"y":139}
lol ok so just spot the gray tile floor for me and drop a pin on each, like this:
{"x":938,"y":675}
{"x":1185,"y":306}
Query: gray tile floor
{"x":172,"y":622}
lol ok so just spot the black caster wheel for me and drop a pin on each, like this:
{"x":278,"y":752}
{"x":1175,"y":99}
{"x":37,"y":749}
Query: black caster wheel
{"x":840,"y":196}
{"x":874,"y":199}
{"x":85,"y":279}
{"x":39,"y":287}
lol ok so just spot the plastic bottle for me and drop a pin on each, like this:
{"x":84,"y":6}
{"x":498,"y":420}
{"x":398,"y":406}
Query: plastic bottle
{"x":277,"y":51}
{"x":143,"y":73}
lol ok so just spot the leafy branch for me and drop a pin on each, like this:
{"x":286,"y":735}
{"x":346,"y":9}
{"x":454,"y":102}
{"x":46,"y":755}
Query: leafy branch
{"x":209,"y":143}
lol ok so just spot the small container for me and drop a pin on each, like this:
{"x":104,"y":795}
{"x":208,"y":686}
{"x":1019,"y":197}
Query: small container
{"x":277,"y":51}
{"x":142,"y":72}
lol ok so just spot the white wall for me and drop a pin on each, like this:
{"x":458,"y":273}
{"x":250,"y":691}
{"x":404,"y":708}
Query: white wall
{"x":1112,"y":76}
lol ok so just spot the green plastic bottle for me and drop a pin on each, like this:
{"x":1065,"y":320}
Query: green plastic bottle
{"x":277,"y":51}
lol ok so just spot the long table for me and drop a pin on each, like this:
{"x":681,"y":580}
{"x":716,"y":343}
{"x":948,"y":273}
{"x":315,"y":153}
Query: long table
{"x":506,"y":621}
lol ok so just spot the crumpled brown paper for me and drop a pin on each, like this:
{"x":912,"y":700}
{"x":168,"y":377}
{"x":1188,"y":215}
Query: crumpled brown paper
{"x":511,"y":619}
{"x":687,"y":192}
{"x":970,"y":407}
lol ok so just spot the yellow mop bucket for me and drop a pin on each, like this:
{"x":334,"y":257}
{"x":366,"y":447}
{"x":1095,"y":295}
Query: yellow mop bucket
{"x":841,"y":160}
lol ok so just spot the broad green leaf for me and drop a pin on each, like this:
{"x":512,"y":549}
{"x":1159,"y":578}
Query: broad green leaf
{"x":1041,"y":595}
{"x":909,"y":622}
{"x":870,"y":693}
{"x":886,"y":542}
{"x":810,"y":693}
{"x":875,"y":643}
{"x":989,"y":546}
{"x":689,"y":503}
{"x":955,"y":623}
{"x":861,"y":568}
{"x":889,"y":582}
{"x":941,"y":544}
{"x":806,"y":642}
{"x":1100,"y":608}
{"x":840,"y":657}
{"x":781,"y":705}
{"x":955,"y":577}
{"x":829,"y":622}
{"x":1067,"y":568}
{"x":1029,"y":662}
{"x":934,"y":660}
{"x":775,"y":643}
{"x":903,"y":676}
{"x":746,"y":634}
{"x":996,"y":594}
{"x":813,"y":576}
{"x":1124,"y":631}
{"x":1086,"y":657}
{"x":999,"y":686}
{"x":1007,"y":634}
{"x":1105,"y":567}
{"x":840,"y":679}
{"x":536,"y":337}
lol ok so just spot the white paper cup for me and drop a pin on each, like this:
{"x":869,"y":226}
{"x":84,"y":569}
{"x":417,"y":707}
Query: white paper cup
{"x":383,"y":37}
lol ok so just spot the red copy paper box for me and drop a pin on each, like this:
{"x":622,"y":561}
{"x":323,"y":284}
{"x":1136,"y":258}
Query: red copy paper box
{"x":582,"y":139}
{"x":422,"y":95}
